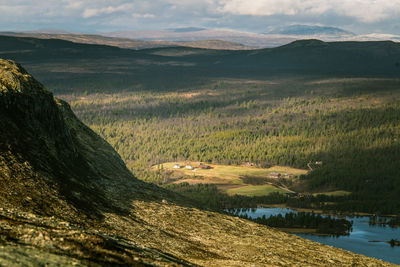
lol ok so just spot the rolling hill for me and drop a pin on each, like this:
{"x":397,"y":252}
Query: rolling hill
{"x":309,"y":30}
{"x":130,"y":43}
{"x":272,"y":38}
{"x":335,"y":102}
{"x":222,"y":39}
{"x":62,"y":60}
{"x":67,"y":198}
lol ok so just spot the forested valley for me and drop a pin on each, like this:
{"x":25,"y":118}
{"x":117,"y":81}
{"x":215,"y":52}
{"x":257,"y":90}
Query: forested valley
{"x":307,"y":102}
{"x":351,"y":125}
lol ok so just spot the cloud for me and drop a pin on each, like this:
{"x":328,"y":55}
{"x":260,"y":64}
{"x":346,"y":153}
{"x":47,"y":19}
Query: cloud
{"x":367,"y":11}
{"x":73,"y":4}
{"x":92,"y":12}
{"x":262,"y":7}
{"x":143,"y":16}
{"x":252,"y":15}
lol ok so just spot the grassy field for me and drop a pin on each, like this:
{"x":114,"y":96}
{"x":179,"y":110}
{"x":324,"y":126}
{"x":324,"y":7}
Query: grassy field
{"x":255,"y":190}
{"x":231,"y":179}
{"x":230,"y":171}
{"x":228,"y":178}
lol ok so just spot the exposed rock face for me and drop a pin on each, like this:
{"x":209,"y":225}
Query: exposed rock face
{"x":67,"y":198}
{"x":51,"y":163}
{"x":42,"y":163}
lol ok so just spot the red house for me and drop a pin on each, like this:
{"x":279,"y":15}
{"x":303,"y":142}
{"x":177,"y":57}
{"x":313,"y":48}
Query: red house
{"x":202,"y":166}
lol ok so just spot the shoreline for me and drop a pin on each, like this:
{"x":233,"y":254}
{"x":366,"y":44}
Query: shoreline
{"x":310,"y":231}
{"x":324,"y":212}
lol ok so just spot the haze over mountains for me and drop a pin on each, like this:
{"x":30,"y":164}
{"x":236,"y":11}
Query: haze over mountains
{"x":310,"y":30}
{"x":129,"y":43}
{"x":270,"y":38}
{"x":209,"y":38}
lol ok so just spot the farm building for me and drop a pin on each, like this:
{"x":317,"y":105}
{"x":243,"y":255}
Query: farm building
{"x":177,"y":166}
{"x":189,"y":167}
{"x":274,"y":175}
{"x":202,"y":166}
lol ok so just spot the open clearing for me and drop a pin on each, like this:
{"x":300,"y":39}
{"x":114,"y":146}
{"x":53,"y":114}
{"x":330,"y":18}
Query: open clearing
{"x":256,"y":190}
{"x":230,"y":179}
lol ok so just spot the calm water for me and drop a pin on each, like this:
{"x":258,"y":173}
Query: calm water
{"x":358,"y":239}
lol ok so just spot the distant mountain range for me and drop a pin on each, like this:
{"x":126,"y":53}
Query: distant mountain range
{"x":191,"y":35}
{"x":129,"y":43}
{"x":187,"y":29}
{"x":273,"y":38}
{"x":310,"y":30}
{"x":197,"y":37}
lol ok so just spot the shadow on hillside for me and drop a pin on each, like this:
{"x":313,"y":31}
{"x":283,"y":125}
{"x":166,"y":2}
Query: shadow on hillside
{"x":52,"y":164}
{"x":371,"y":174}
{"x":67,"y":67}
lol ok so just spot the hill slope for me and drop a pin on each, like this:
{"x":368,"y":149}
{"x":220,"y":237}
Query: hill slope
{"x":130,"y":43}
{"x":343,"y":98}
{"x":67,"y":198}
{"x":311,"y":30}
{"x":67,"y":66}
{"x":43,"y":143}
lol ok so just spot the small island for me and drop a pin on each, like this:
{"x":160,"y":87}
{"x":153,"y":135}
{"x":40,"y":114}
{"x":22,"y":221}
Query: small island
{"x":304,"y":222}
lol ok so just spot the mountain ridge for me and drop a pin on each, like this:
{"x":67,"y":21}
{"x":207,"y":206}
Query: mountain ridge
{"x":310,"y":30}
{"x":64,"y":151}
{"x":129,"y":43}
{"x":197,"y":37}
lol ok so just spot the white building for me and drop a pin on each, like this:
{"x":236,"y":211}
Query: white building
{"x":177,"y":166}
{"x":189,"y":167}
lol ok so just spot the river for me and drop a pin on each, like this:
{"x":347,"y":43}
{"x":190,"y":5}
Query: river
{"x":357,"y":241}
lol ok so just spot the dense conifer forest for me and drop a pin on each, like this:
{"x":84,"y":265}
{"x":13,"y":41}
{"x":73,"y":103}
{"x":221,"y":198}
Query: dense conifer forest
{"x":307,"y":102}
{"x":354,"y":134}
{"x":323,"y":224}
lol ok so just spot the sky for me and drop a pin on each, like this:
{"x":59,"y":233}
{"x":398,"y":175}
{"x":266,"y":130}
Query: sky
{"x":91,"y":16}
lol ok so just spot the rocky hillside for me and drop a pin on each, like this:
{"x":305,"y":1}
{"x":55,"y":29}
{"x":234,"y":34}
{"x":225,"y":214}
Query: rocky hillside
{"x":67,"y":198}
{"x":51,"y":163}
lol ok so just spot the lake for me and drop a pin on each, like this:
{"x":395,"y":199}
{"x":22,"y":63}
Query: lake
{"x":358,"y":239}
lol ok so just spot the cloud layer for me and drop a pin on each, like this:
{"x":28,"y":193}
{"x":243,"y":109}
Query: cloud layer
{"x":254,"y":15}
{"x":364,"y":11}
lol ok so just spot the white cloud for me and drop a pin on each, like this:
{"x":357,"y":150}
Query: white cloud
{"x":259,"y":7}
{"x":236,"y":14}
{"x":367,"y":11}
{"x":72,"y":4}
{"x":143,"y":16}
{"x":92,"y":12}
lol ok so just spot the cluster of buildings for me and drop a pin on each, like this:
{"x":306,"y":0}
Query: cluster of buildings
{"x":190,"y":167}
{"x":206,"y":167}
